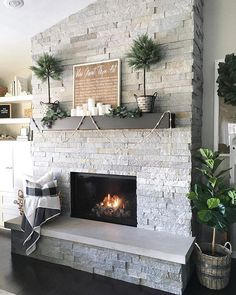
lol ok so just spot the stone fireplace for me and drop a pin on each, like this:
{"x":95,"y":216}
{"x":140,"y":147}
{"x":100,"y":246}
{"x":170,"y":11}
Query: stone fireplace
{"x":159,"y":163}
{"x":101,"y":197}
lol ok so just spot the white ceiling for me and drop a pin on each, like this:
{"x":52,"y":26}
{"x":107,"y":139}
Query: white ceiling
{"x":17,"y":26}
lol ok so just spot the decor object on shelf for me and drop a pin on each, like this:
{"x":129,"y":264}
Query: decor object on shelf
{"x":3,"y":91}
{"x":144,"y":53}
{"x":123,"y":112}
{"x":227,"y":79}
{"x":53,"y":113}
{"x":97,"y":82}
{"x":215,"y":204}
{"x":47,"y":66}
{"x":6,"y":137}
{"x":5,"y":111}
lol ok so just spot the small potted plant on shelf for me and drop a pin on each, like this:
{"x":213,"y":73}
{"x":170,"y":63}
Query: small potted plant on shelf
{"x":144,"y":53}
{"x":215,"y":204}
{"x":49,"y":67}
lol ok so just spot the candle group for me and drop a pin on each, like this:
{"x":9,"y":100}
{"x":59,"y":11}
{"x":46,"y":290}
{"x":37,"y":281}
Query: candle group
{"x":91,"y":109}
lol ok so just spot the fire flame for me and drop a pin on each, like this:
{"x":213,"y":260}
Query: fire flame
{"x":111,"y":202}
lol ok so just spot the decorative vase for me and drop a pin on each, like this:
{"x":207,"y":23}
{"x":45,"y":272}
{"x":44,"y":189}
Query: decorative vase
{"x":214,"y":271}
{"x":146,"y":102}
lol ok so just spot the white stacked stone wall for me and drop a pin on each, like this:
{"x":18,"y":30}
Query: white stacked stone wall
{"x":137,"y":269}
{"x":105,"y":30}
{"x":162,"y":165}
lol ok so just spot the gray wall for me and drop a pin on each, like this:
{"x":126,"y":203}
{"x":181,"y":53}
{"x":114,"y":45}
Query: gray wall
{"x":219,"y":40}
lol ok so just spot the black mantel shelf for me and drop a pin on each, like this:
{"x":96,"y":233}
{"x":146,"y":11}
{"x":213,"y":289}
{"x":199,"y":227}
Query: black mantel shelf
{"x":146,"y":121}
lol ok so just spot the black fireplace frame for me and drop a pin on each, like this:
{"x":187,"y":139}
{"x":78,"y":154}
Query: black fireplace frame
{"x":82,"y":198}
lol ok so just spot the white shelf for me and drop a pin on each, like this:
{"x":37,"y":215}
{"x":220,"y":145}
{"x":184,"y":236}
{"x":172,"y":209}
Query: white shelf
{"x":15,"y":121}
{"x":16,"y":99}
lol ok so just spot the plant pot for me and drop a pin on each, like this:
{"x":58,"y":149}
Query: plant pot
{"x":213,"y":271}
{"x":49,"y":106}
{"x":146,"y":102}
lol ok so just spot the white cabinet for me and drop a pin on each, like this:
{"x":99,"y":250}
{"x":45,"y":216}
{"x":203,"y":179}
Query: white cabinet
{"x":15,"y":162}
{"x":6,"y":166}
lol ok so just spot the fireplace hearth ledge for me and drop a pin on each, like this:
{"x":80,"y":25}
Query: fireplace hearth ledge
{"x":157,"y":260}
{"x":158,"y":245}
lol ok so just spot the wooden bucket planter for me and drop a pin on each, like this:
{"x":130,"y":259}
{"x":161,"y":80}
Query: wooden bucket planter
{"x":214,"y":272}
{"x":146,"y":102}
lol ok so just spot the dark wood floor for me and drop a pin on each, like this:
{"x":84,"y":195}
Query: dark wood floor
{"x":26,"y":276}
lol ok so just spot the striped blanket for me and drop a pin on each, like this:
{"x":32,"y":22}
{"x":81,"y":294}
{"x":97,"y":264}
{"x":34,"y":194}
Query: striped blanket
{"x":41,"y":203}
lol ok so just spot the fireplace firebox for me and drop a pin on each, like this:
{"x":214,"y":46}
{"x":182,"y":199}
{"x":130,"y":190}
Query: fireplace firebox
{"x":109,"y":198}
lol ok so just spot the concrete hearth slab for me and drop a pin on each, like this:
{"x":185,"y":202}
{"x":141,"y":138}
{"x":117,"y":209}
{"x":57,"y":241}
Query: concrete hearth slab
{"x":159,"y":245}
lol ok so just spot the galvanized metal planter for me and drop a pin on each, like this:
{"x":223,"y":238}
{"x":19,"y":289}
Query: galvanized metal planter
{"x":214,"y":272}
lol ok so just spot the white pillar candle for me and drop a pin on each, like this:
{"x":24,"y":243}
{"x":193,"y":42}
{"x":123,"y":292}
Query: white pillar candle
{"x":79,"y":111}
{"x":101,"y":110}
{"x":23,"y":132}
{"x":85,"y":107}
{"x":94,"y":111}
{"x":88,"y":113}
{"x":107,"y":108}
{"x":91,"y":103}
{"x":73,"y":112}
{"x":99,"y":104}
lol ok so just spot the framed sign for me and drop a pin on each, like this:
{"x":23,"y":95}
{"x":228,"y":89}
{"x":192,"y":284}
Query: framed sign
{"x":100,"y":81}
{"x":5,"y":111}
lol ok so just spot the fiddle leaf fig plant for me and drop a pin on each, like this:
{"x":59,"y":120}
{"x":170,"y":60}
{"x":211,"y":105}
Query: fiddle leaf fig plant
{"x":227,"y":79}
{"x":214,"y":201}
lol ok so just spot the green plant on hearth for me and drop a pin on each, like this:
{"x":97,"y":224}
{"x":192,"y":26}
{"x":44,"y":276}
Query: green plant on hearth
{"x":144,"y":53}
{"x":47,"y":67}
{"x":214,"y":201}
{"x":53,"y":113}
{"x":227,"y":79}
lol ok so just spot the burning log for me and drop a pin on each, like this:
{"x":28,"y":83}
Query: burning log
{"x":112,"y":206}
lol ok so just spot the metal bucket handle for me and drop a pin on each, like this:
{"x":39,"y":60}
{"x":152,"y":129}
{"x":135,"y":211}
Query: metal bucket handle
{"x":198,"y":247}
{"x":230,"y":247}
{"x":154,"y":95}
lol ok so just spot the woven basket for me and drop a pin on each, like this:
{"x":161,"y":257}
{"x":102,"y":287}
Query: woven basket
{"x":146,"y":102}
{"x":214,"y":272}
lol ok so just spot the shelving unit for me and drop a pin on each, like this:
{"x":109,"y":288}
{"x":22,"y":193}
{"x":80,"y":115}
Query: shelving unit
{"x":16,"y":99}
{"x":19,"y":117}
{"x":15,"y":121}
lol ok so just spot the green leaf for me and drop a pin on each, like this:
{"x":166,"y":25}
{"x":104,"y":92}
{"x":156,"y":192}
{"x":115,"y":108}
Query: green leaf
{"x":232,"y":195}
{"x":213,"y":203}
{"x":205,"y":215}
{"x":223,"y":172}
{"x":192,"y":195}
{"x":206,"y":153}
{"x":210,"y":163}
{"x":217,"y":163}
{"x":213,"y":181}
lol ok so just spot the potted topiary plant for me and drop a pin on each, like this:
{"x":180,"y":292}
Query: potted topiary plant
{"x":144,"y":53}
{"x":49,"y":67}
{"x":215,"y":203}
{"x":227,"y":79}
